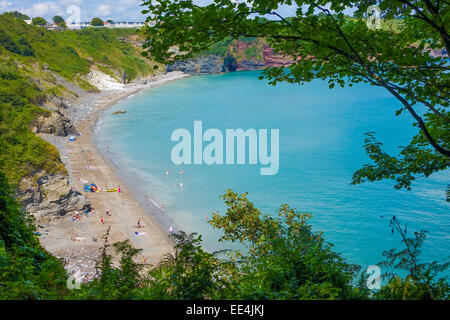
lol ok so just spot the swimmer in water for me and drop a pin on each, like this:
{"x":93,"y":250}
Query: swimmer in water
{"x":181,"y":184}
{"x":181,"y":171}
{"x":167,"y":172}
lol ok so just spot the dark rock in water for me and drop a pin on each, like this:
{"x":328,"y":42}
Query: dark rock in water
{"x":119,"y":111}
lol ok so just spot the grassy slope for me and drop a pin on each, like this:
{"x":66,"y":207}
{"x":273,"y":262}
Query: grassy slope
{"x":21,"y":152}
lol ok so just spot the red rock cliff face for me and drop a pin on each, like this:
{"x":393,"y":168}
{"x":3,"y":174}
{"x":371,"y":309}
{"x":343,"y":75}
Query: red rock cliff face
{"x":245,"y":55}
{"x":272,"y":59}
{"x":257,"y":55}
{"x":241,"y":46}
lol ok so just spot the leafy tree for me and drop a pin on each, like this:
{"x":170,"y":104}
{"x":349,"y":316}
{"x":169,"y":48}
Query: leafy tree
{"x":284,"y":259}
{"x":280,"y":258}
{"x":39,"y":21}
{"x":8,"y":42}
{"x":420,"y":282}
{"x":59,"y":21}
{"x":122,"y":282}
{"x":19,"y":15}
{"x":97,"y":22}
{"x":191,"y":273}
{"x":326,"y":44}
{"x":110,"y":21}
{"x":25,"y":48}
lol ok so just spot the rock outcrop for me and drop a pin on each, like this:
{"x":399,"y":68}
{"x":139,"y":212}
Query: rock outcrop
{"x":59,"y":102}
{"x":205,"y":65}
{"x":242,"y":56}
{"x":55,"y":123}
{"x":104,"y":81}
{"x":50,"y":195}
{"x":272,"y":59}
{"x":247,"y":65}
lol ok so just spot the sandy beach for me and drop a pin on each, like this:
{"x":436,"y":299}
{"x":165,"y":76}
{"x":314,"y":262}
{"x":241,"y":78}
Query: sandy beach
{"x":79,"y":241}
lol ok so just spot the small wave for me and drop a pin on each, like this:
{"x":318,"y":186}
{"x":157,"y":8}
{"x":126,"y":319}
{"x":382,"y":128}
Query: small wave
{"x":114,"y":163}
{"x":98,"y":126}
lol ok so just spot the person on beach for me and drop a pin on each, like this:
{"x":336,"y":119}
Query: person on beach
{"x":101,"y":219}
{"x":119,"y":189}
{"x":170,"y":229}
{"x":139,"y":222}
{"x":107,"y":212}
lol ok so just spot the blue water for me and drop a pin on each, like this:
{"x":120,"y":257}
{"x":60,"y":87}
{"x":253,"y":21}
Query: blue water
{"x":321,"y":140}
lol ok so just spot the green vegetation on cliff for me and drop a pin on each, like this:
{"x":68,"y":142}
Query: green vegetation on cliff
{"x":27,"y":271}
{"x":31,"y":60}
{"x":71,"y":53}
{"x":21,"y":152}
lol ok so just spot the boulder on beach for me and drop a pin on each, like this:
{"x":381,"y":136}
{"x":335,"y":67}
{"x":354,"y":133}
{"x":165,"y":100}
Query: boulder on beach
{"x":119,"y":111}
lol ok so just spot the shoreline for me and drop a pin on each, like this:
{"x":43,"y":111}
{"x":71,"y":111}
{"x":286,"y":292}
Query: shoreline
{"x":85,"y":161}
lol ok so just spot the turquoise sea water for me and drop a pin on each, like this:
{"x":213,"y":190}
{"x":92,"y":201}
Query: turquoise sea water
{"x":321,"y":139}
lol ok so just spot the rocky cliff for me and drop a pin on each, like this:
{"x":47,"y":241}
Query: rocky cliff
{"x":252,"y":54}
{"x":50,"y":195}
{"x":54,"y":123}
{"x":272,"y":59}
{"x":210,"y":64}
